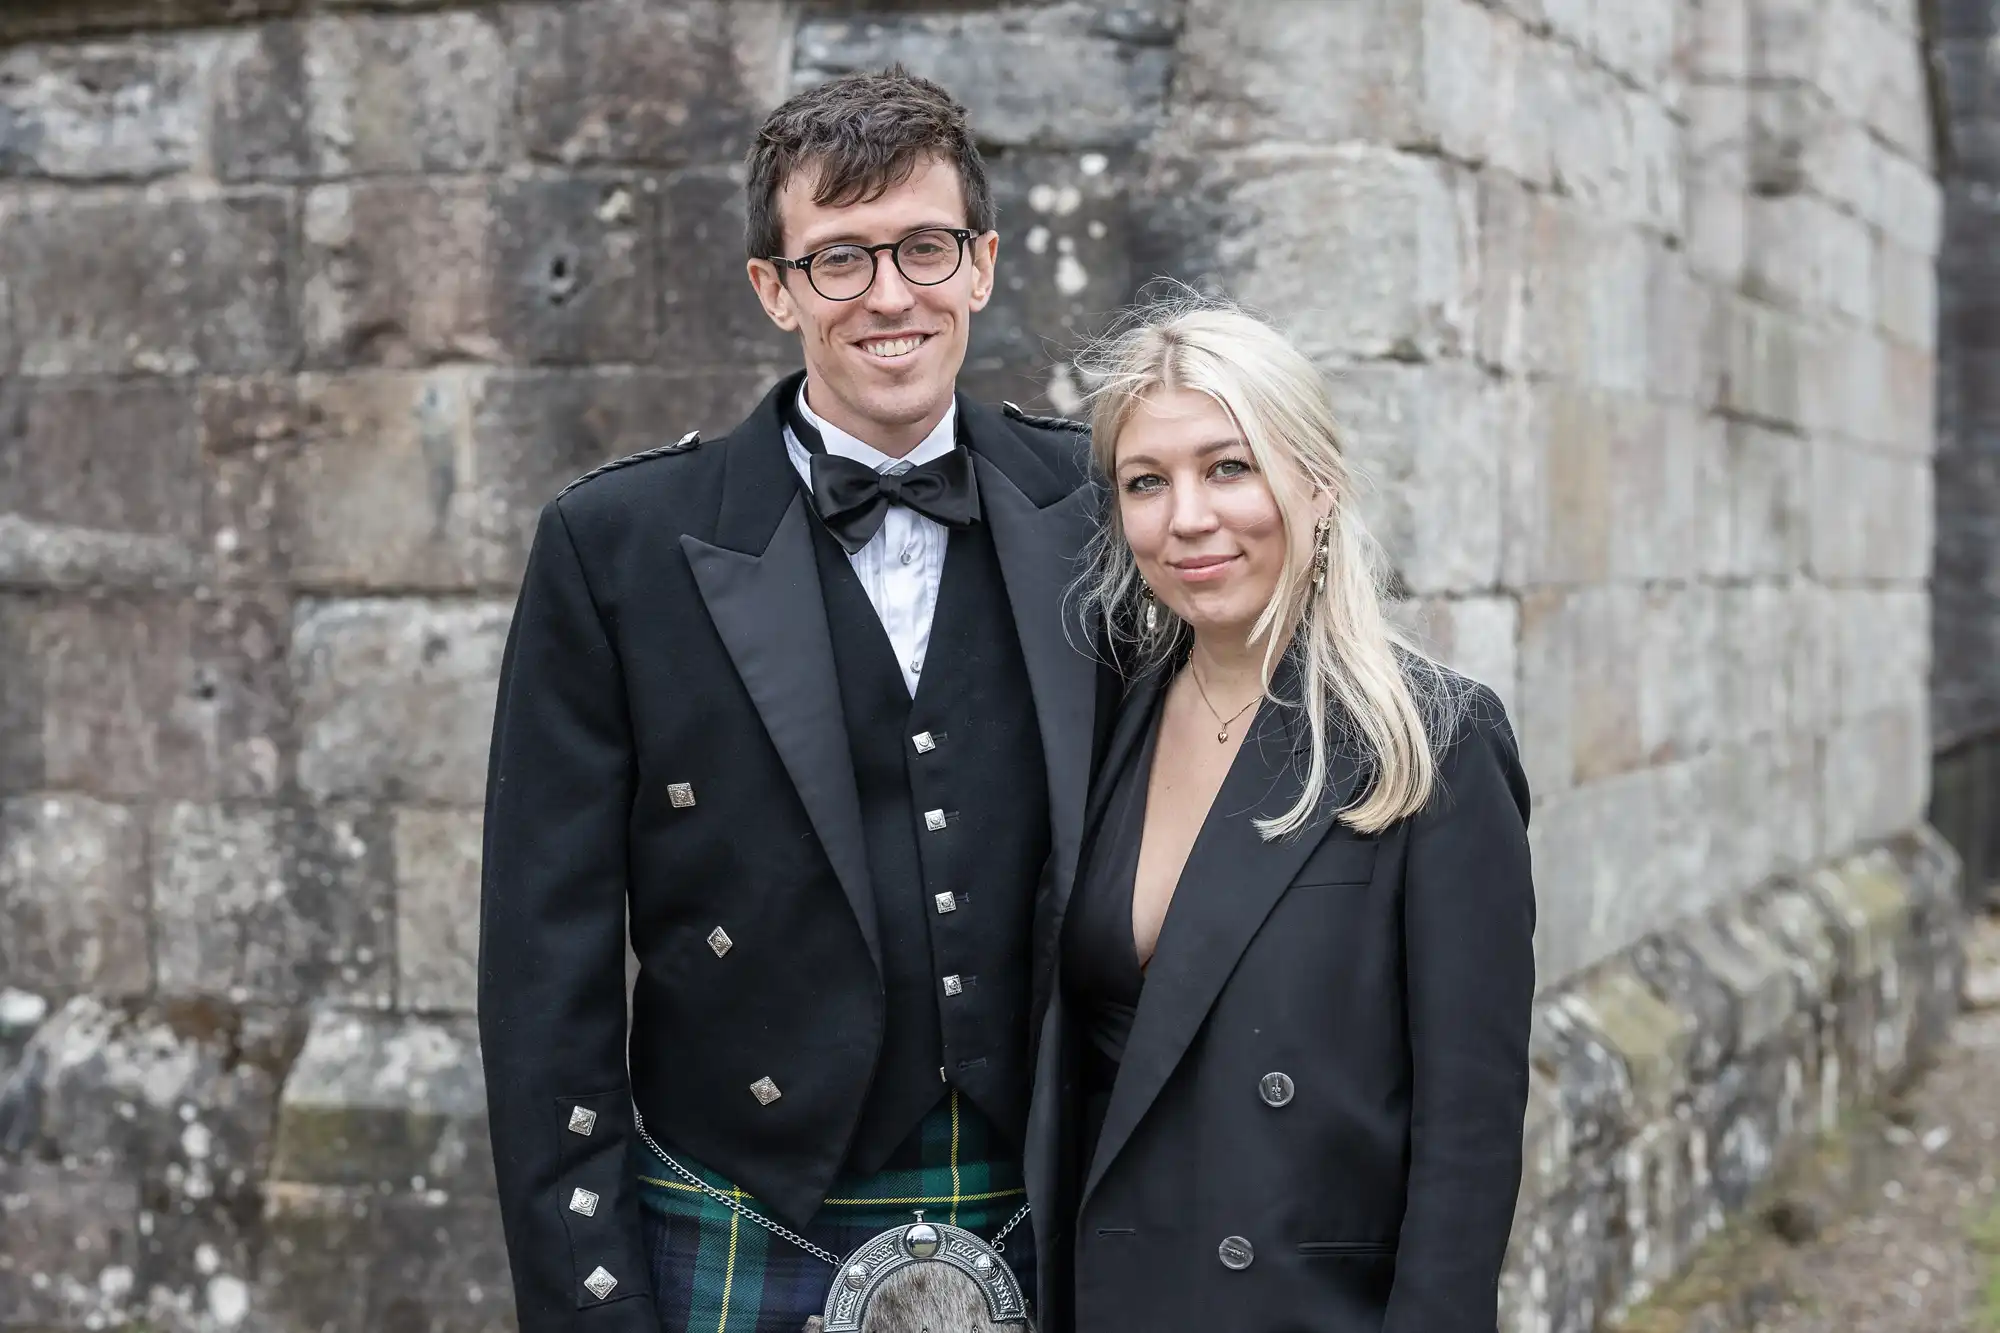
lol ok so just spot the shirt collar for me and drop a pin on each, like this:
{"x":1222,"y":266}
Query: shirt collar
{"x":941,"y":441}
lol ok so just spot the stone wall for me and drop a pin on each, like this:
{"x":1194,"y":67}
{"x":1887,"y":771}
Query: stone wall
{"x":307,"y":305}
{"x":1966,"y":587}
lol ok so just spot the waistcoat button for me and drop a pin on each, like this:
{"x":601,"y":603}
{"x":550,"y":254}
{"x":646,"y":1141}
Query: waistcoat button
{"x":1236,"y":1253}
{"x":1275,"y":1089}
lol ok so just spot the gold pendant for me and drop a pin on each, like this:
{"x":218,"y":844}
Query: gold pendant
{"x":1222,"y":737}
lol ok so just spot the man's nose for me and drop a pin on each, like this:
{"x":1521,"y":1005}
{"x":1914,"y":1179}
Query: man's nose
{"x":888,"y":289}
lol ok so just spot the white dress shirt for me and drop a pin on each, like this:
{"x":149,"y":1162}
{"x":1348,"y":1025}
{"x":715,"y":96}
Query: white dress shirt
{"x":903,"y":563}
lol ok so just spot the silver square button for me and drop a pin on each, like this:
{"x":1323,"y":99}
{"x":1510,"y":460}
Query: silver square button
{"x":953,"y":985}
{"x":582,"y":1120}
{"x":599,"y":1283}
{"x":680,"y":795}
{"x":947,"y":902}
{"x":934,"y":820}
{"x":583,"y":1201}
{"x":765,"y":1091}
{"x":718,"y":940}
{"x":924,"y":741}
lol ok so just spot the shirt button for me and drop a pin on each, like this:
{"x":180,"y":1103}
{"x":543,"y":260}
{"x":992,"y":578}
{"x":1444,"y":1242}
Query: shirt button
{"x":916,"y":664}
{"x":909,"y":557}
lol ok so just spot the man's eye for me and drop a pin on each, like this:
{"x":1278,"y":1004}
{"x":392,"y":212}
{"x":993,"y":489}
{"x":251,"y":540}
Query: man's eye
{"x":836,"y":261}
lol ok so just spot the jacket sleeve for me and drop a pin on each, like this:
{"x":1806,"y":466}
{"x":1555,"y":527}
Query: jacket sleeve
{"x":552,"y":1006}
{"x":1469,"y":921}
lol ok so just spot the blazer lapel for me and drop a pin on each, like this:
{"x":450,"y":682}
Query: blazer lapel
{"x":1039,"y":550}
{"x":761,"y":586}
{"x":1232,"y":880}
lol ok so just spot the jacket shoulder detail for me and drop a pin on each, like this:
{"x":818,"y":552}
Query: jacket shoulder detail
{"x":1015,"y":411}
{"x":687,"y":443}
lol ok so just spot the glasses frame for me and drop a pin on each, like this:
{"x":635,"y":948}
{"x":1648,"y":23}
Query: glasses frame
{"x":803,"y":264}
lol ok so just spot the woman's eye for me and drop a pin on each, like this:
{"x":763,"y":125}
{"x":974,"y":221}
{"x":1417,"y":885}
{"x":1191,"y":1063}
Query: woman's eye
{"x":1143,"y":484}
{"x":1230,"y":467}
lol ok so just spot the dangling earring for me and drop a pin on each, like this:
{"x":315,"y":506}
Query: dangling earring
{"x":1152,"y":611}
{"x":1322,"y":550}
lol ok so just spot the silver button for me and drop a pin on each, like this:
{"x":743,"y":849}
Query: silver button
{"x":582,"y":1120}
{"x":909,"y":557}
{"x":680,"y":795}
{"x":1275,"y":1089}
{"x":718,"y":940}
{"x":934,"y":820}
{"x":916,"y":664}
{"x":599,"y":1283}
{"x":924,"y":741}
{"x":765,"y":1091}
{"x":1236,"y":1253}
{"x":947,"y":902}
{"x":952,"y":984}
{"x":583,"y":1201}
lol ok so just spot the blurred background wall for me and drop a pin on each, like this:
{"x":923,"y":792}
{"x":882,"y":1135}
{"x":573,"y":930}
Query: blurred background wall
{"x":307,"y":305}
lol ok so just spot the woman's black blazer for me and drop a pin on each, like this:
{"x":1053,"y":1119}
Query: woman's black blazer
{"x":1317,"y":1124}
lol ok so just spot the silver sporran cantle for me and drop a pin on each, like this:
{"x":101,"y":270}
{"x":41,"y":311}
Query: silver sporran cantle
{"x":924,"y":1276}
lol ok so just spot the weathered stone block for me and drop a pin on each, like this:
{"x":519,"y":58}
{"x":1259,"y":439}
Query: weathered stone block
{"x":630,"y":81}
{"x":1404,"y":265}
{"x":1428,"y":460}
{"x":1764,"y":498}
{"x":1560,"y":294}
{"x":150,"y":695}
{"x":430,"y":92}
{"x":391,"y":1103}
{"x":1065,"y":261}
{"x":125,"y":110}
{"x":1676,"y":671}
{"x":1558,"y":486}
{"x":709,"y":314}
{"x":120,"y":455}
{"x":258,"y":123}
{"x":262,"y":905}
{"x":69,"y":1244}
{"x":410,"y":273}
{"x":1908,"y":202}
{"x":1766,"y":355}
{"x":1806,"y":255}
{"x":1477,"y":636}
{"x":73,"y":896}
{"x":122,"y":282}
{"x":1906,"y":298}
{"x":437,"y":909}
{"x":1871,"y":514}
{"x":1066,"y":75}
{"x":396,"y":697}
{"x":1881,"y":640}
{"x":176,"y":1098}
{"x":1753,"y":648}
{"x":1876,"y":776}
{"x":1615,"y":150}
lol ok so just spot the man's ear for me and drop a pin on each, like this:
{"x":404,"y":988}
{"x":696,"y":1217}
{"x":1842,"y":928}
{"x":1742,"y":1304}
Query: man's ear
{"x":985,"y":249}
{"x":772,"y":294}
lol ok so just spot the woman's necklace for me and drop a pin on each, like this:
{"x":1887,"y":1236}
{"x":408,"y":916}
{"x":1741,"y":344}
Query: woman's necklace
{"x":1221,"y":735}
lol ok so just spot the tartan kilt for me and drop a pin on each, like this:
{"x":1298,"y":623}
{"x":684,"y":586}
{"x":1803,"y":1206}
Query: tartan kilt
{"x":716,"y":1272}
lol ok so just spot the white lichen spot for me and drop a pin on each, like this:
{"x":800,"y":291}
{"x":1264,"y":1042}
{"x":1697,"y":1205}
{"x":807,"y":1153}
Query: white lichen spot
{"x":228,"y":1300}
{"x":1038,"y":240}
{"x":1071,"y":278}
{"x":1042,"y":198}
{"x":196,"y":1140}
{"x":1068,"y":199}
{"x":1093,"y":164}
{"x":21,"y":1009}
{"x":206,"y":1261}
{"x":417,"y":1184}
{"x":1097,"y":229}
{"x":616,"y":208}
{"x":145,"y":1224}
{"x":187,"y":1111}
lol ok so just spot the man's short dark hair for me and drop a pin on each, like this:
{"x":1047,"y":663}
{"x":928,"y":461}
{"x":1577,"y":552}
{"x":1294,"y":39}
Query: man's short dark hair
{"x":861,"y":134}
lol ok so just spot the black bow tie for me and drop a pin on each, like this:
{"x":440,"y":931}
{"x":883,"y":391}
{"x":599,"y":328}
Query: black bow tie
{"x":853,"y":499}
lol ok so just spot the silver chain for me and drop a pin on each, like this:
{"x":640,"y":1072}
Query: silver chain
{"x":825,"y":1256}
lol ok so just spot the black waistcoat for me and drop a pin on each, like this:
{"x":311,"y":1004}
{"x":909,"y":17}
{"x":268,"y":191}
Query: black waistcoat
{"x":965,"y":751}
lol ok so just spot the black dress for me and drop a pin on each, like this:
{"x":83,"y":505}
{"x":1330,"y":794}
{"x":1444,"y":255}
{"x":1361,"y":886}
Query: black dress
{"x":1102,"y":977}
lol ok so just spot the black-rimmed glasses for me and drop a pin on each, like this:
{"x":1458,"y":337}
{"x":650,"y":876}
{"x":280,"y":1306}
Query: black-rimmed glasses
{"x":842,"y":272}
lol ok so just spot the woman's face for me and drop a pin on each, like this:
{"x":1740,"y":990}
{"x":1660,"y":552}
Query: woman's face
{"x":1202,"y":522}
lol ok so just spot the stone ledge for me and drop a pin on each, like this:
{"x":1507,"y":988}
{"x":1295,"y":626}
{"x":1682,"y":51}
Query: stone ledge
{"x":1671,"y":1080}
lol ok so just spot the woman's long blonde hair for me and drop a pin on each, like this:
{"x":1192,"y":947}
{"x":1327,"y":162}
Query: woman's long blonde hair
{"x":1368,"y":691}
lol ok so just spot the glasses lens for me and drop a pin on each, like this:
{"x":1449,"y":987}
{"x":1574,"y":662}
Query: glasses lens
{"x":928,"y":257}
{"x":842,"y":272}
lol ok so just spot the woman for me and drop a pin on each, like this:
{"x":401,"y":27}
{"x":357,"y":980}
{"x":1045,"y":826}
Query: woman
{"x":1286,"y":1065}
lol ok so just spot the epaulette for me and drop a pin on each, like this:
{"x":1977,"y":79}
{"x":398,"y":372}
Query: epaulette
{"x":687,"y":443}
{"x":1046,"y":423}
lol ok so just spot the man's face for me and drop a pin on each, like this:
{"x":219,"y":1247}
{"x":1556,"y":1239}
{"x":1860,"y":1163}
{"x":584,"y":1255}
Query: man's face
{"x":881,"y":366}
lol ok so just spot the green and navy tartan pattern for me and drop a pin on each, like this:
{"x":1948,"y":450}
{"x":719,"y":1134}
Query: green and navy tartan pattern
{"x":716,"y":1272}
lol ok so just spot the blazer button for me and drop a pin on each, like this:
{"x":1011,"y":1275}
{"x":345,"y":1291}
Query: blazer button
{"x":1275,"y":1089}
{"x":1236,"y":1253}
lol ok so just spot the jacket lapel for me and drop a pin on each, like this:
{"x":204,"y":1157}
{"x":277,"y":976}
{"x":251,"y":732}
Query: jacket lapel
{"x":761,"y":586}
{"x":1232,"y":880}
{"x":1039,"y":533}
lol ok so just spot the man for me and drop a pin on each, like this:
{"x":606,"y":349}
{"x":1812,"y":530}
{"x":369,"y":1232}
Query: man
{"x":802,"y":703}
